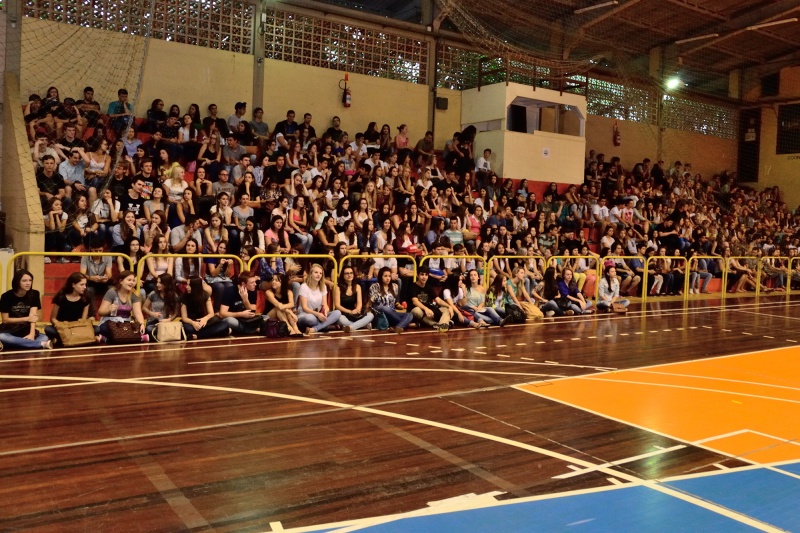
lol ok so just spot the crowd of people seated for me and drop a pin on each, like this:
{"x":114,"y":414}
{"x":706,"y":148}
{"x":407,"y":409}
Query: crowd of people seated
{"x":205,"y":187}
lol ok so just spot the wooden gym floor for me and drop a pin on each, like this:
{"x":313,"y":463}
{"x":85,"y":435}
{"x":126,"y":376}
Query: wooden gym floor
{"x":624,"y":423}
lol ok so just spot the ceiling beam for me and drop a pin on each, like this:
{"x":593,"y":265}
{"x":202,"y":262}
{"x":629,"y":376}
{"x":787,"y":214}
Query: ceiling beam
{"x":774,"y":11}
{"x":608,"y":14}
{"x":698,"y":9}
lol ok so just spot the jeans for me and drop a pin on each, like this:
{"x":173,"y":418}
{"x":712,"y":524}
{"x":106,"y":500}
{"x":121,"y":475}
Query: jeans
{"x":551,"y":305}
{"x":693,"y":280}
{"x":219,"y":329}
{"x":12,"y":341}
{"x":306,"y":240}
{"x":575,"y":308}
{"x":307,"y":320}
{"x":398,"y":320}
{"x":236,"y":327}
{"x":358,"y":324}
{"x":488,"y":315}
{"x":606,"y":305}
{"x":218,"y":289}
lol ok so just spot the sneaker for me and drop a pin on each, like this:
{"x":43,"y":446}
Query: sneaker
{"x":550,"y":313}
{"x":396,"y":329}
{"x":47,"y":345}
{"x":444,"y":328}
{"x":47,"y":260}
{"x":63,"y":260}
{"x":145,"y":338}
{"x":503,"y":322}
{"x":347,"y":329}
{"x":369,"y":327}
{"x":569,"y":312}
{"x":102,"y":339}
{"x":1,"y":346}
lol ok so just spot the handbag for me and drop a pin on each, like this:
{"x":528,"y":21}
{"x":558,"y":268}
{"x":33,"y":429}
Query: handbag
{"x":515,"y":314}
{"x":124,"y":332}
{"x":380,"y":322}
{"x":76,"y":333}
{"x":252,"y":325}
{"x":531,"y":311}
{"x":171,"y":331}
{"x":275,"y":329}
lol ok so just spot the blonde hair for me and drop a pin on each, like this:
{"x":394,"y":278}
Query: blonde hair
{"x":311,"y":282}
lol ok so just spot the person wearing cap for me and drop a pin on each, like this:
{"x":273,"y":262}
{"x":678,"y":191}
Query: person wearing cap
{"x":520,"y":227}
{"x":233,"y":121}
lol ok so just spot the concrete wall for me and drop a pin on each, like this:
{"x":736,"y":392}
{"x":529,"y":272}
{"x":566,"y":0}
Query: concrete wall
{"x":708,"y":155}
{"x":541,"y":155}
{"x":782,"y":170}
{"x":448,"y":121}
{"x":25,"y":224}
{"x":316,"y":90}
{"x":184,"y":74}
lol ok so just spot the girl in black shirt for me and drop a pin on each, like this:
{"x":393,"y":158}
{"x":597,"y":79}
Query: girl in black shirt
{"x":19,"y":309}
{"x":197,"y":314}
{"x":70,"y":304}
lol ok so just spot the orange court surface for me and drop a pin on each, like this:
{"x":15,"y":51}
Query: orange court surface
{"x":749,"y":401}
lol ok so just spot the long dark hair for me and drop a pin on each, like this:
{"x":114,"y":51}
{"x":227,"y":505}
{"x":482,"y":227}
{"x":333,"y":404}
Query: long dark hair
{"x":341,"y":282}
{"x":186,"y":262}
{"x":72,"y":280}
{"x":196,"y":296}
{"x":380,"y":281}
{"x":283,"y":297}
{"x":250,"y":237}
{"x":550,"y":290}
{"x":170,"y":295}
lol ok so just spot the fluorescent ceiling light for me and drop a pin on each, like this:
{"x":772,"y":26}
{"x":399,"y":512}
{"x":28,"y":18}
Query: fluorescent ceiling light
{"x":774,"y":23}
{"x":698,"y":38}
{"x":598,"y":6}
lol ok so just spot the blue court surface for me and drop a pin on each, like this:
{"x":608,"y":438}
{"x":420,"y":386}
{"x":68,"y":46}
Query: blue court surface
{"x":749,"y":499}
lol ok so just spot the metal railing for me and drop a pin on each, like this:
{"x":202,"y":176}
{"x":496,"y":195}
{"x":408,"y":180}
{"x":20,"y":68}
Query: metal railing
{"x":10,"y":266}
{"x":342,"y":261}
{"x":201,"y":257}
{"x":598,"y":267}
{"x":458,"y":258}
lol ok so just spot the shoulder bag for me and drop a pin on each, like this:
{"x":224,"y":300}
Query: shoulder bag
{"x":171,"y":331}
{"x":77,"y":333}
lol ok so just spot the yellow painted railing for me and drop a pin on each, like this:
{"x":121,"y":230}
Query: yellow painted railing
{"x":202,"y":257}
{"x":10,"y":266}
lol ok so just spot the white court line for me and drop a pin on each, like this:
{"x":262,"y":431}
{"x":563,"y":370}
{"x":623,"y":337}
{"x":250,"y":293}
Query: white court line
{"x":501,"y":440}
{"x":766,"y":314}
{"x":717,"y":379}
{"x":685,"y":387}
{"x":722,"y":436}
{"x":618,"y":462}
{"x":632,"y":424}
{"x":387,"y":358}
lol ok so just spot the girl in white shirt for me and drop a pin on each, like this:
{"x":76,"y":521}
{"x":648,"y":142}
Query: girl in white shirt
{"x":312,"y":307}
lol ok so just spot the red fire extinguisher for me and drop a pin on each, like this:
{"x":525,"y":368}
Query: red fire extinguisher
{"x":347,"y":97}
{"x":617,"y":137}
